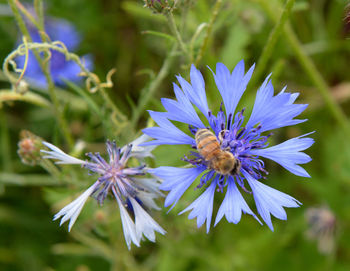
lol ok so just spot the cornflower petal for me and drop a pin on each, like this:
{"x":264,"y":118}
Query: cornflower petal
{"x":288,"y":154}
{"x":270,"y":201}
{"x":182,"y":109}
{"x":148,"y":200}
{"x":129,"y":228}
{"x":166,"y":132}
{"x":145,"y":224}
{"x":59,"y":155}
{"x":273,"y":112}
{"x":232,"y":86}
{"x":71,"y":70}
{"x":202,"y":207}
{"x":233,"y":205}
{"x":176,"y":180}
{"x":62,"y":30}
{"x":149,"y":184}
{"x":139,"y":151}
{"x":72,"y":210}
{"x":196,"y":91}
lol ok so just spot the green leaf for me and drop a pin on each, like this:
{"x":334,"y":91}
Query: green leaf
{"x":159,"y":34}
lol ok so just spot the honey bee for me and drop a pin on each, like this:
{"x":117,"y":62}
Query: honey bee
{"x":209,"y":148}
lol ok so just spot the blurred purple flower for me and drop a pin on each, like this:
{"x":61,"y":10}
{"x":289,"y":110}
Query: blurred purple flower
{"x":57,"y":30}
{"x":321,"y":227}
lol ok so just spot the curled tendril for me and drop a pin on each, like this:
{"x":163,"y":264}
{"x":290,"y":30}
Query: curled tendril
{"x":24,"y":65}
{"x":93,"y":83}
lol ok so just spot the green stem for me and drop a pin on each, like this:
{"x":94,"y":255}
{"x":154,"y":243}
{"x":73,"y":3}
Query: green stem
{"x":39,"y":10}
{"x":271,"y":42}
{"x":317,"y":79}
{"x":5,"y":144}
{"x":50,"y":168}
{"x":173,"y":28}
{"x":26,"y":13}
{"x":310,"y":68}
{"x":45,"y":68}
{"x":184,"y":16}
{"x":57,"y":108}
{"x":154,"y":85}
{"x":18,"y":17}
{"x":51,"y":86}
{"x":208,"y":32}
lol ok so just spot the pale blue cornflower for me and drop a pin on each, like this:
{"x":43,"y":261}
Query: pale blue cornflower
{"x":133,"y":192}
{"x":246,"y":140}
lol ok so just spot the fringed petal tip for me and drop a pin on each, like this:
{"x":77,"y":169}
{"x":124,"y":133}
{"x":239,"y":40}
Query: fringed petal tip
{"x":233,"y":205}
{"x":73,"y":209}
{"x":270,"y":201}
{"x":202,"y":207}
{"x":58,"y":154}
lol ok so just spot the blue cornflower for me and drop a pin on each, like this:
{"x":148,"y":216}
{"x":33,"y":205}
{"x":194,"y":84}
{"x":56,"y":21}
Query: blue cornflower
{"x":57,"y":30}
{"x":247,"y":141}
{"x":133,"y":192}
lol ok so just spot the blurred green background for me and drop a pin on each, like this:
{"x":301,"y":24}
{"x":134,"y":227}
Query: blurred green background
{"x":118,"y":35}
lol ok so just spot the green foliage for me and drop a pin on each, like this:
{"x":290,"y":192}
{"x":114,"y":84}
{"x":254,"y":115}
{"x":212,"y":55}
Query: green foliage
{"x":311,"y":55}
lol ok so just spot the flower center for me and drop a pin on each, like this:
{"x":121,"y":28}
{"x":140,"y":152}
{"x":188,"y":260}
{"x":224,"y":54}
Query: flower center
{"x":235,"y":138}
{"x":114,"y":176}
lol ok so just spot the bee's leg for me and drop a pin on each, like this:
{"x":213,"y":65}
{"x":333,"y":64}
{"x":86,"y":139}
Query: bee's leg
{"x":246,"y":190}
{"x":221,"y":136}
{"x":193,"y":161}
{"x":197,"y":161}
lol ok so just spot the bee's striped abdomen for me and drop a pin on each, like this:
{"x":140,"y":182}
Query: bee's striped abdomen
{"x":207,"y":144}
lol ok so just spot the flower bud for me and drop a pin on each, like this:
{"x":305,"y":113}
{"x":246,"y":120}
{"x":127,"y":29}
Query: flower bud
{"x":22,"y":87}
{"x":160,"y":6}
{"x":29,"y":148}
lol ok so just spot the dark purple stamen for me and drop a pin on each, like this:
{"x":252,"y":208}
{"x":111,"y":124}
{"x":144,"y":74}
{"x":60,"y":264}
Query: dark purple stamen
{"x":222,"y":126}
{"x":241,"y":132}
{"x":192,"y":129}
{"x":205,"y":178}
{"x":221,"y":184}
{"x":229,"y":120}
{"x":115,"y":175}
